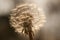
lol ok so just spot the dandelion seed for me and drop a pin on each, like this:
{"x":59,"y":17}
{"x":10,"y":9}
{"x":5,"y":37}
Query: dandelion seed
{"x":27,"y":18}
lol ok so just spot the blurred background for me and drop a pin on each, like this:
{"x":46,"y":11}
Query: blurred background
{"x":50,"y":31}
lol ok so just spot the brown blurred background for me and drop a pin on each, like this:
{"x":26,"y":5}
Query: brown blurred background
{"x":50,"y":31}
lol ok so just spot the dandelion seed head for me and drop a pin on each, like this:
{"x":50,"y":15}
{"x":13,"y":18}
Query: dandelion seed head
{"x":29,"y":12}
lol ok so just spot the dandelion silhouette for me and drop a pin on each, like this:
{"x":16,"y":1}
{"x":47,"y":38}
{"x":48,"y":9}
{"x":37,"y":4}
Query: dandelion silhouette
{"x":27,"y":19}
